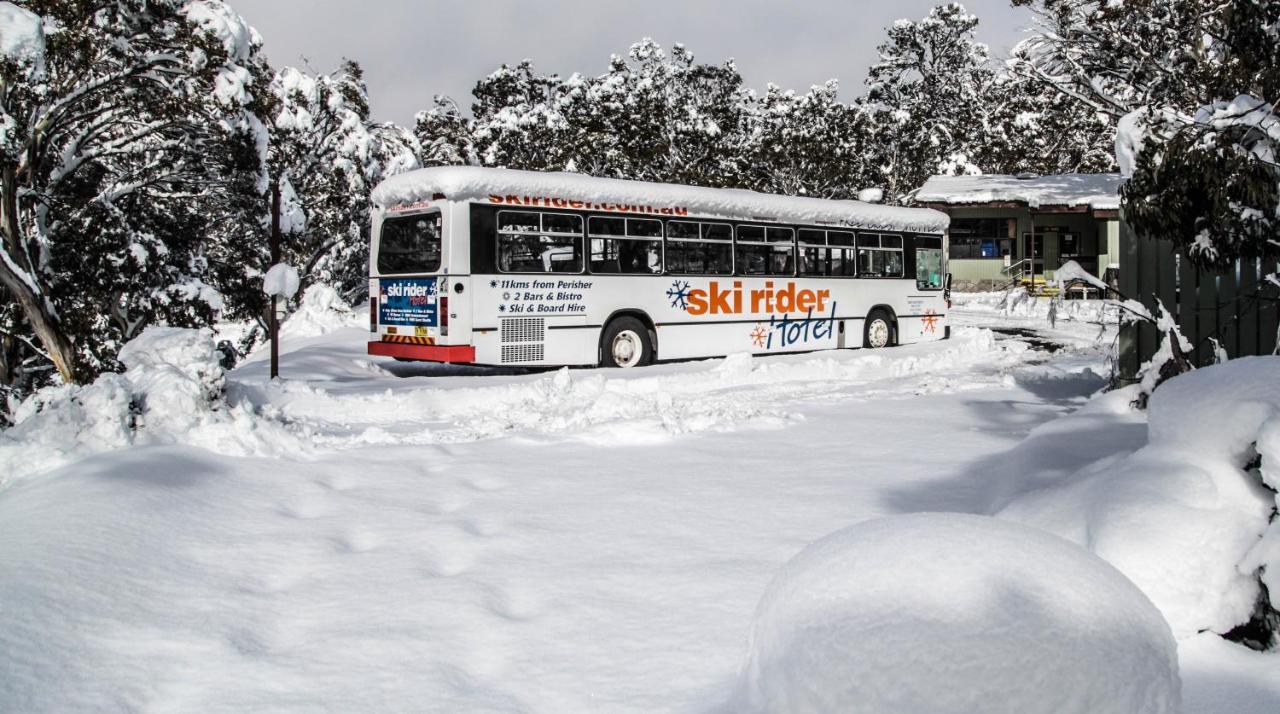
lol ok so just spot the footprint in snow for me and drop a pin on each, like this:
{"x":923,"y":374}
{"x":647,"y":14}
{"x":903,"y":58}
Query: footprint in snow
{"x":358,"y":541}
{"x":483,"y":526}
{"x":514,"y":603}
{"x":487,"y":483}
{"x":446,"y":562}
{"x":306,"y":507}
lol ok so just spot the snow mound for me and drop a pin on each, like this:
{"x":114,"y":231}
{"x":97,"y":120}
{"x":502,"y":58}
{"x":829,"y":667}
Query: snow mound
{"x":170,"y":393}
{"x":1180,"y":516}
{"x":935,"y":613}
{"x":281,"y":280}
{"x":1218,"y":410}
{"x":320,"y":312}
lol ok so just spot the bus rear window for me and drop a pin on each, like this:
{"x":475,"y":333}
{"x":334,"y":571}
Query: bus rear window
{"x":409,"y":244}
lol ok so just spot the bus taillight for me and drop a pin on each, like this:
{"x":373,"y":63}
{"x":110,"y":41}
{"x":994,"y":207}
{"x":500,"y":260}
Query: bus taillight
{"x":444,"y":315}
{"x":373,"y":313}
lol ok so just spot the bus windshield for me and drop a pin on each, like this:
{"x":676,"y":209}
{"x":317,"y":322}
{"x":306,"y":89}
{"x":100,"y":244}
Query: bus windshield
{"x":410,"y":244}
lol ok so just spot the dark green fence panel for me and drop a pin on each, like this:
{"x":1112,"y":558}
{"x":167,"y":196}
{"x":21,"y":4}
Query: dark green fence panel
{"x":1238,"y":307}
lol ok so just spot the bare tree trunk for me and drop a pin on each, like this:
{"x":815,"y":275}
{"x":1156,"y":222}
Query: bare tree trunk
{"x":43,"y":322}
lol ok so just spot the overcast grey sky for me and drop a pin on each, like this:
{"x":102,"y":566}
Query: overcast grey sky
{"x":413,"y":49}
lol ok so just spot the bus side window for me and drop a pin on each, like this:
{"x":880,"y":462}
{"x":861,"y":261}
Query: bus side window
{"x":625,"y":246}
{"x":694,"y":248}
{"x":928,"y":263}
{"x":532,"y":242}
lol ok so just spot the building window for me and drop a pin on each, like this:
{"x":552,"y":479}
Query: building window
{"x":978,"y":238}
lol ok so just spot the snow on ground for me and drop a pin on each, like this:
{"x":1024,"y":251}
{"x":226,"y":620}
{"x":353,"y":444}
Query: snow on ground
{"x":946,"y":612}
{"x":1179,"y":515}
{"x":469,"y":539}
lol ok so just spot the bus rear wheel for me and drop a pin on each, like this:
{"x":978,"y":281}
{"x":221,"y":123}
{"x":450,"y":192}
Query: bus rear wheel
{"x":626,"y":344}
{"x":878,"y":331}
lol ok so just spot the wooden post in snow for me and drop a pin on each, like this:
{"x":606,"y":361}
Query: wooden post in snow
{"x":272,"y":323}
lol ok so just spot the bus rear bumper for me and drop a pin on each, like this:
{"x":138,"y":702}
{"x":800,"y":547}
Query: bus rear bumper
{"x":428,"y":353}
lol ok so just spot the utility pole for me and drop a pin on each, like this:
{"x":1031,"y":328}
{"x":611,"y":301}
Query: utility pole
{"x":272,"y":323}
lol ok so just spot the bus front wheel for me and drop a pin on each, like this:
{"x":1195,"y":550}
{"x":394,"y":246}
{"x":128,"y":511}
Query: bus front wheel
{"x":626,"y":343}
{"x":878,"y":331}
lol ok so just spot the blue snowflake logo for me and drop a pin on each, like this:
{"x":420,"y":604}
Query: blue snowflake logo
{"x":493,"y":283}
{"x":679,"y":294}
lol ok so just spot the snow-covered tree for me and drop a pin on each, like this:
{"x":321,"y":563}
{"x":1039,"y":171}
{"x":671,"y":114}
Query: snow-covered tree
{"x":517,"y":119}
{"x":809,"y":144}
{"x":664,"y":118}
{"x":1034,"y":127}
{"x":651,"y":116}
{"x":444,"y":134}
{"x":1206,"y":167}
{"x":110,"y":118}
{"x":327,"y":155}
{"x":928,"y":91}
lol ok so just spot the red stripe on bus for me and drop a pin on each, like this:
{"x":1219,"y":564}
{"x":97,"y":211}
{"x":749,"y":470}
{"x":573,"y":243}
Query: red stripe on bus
{"x":428,"y":353}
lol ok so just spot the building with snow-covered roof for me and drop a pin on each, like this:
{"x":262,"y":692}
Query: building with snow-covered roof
{"x":1006,"y":229}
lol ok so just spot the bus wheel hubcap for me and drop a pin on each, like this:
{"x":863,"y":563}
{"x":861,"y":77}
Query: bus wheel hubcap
{"x":879,"y":333}
{"x":626,"y":349}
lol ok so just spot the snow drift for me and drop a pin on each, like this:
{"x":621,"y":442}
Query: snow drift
{"x":170,"y":393}
{"x":1181,"y":516}
{"x":933,"y":613}
{"x":320,"y":312}
{"x":1020,"y":303}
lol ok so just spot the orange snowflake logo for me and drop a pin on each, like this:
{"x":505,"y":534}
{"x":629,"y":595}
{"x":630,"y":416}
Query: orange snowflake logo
{"x":930,"y":321}
{"x":759,"y":336}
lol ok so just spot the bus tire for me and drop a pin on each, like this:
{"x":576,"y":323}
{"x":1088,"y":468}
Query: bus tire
{"x":625,"y":344}
{"x":878,"y":330}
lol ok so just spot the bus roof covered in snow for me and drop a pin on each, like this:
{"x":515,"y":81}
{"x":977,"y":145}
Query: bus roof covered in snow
{"x":578,"y":192}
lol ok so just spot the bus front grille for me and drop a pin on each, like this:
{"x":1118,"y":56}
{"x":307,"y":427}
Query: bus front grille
{"x":522,"y":339}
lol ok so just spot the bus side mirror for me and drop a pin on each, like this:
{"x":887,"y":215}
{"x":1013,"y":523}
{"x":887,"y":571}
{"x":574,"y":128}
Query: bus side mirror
{"x":946,"y":290}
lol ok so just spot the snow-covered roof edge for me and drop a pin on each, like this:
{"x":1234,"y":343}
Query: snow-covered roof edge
{"x":1101,"y":192}
{"x":576,"y":191}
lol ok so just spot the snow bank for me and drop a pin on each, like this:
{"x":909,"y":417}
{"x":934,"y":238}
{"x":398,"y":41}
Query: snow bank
{"x":612,"y":407}
{"x":1097,"y":191}
{"x":320,"y":312}
{"x":955,"y":613}
{"x":1020,"y":303}
{"x":1180,"y":516}
{"x":21,"y":37}
{"x":470,"y":182}
{"x":170,"y":393}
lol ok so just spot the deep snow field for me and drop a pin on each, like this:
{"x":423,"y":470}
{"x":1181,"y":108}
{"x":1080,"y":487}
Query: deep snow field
{"x":366,"y":535}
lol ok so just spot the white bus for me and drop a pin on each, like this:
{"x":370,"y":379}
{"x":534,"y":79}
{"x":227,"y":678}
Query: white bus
{"x":502,"y":267}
